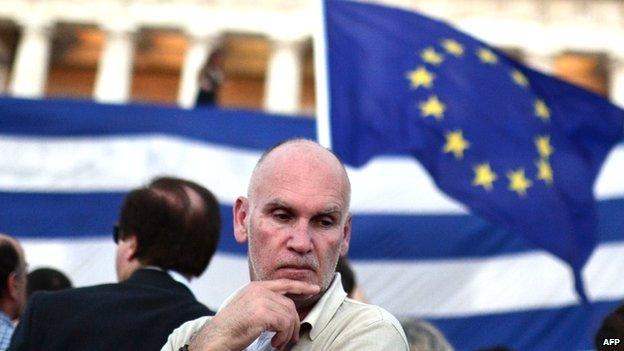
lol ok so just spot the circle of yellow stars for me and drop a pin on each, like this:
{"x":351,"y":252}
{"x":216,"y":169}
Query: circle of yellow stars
{"x":455,"y":142}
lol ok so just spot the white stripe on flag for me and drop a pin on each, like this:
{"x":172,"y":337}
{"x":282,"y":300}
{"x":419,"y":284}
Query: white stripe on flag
{"x":386,"y":185}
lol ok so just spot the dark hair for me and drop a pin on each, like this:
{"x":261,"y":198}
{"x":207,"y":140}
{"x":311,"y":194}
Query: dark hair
{"x":346,"y":275}
{"x":9,"y":262}
{"x":46,"y":279}
{"x":176,"y":223}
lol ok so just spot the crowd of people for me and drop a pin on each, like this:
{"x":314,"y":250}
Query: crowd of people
{"x":302,"y":294}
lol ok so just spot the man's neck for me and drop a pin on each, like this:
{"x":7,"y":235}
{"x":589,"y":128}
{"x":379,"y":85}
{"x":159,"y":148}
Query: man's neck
{"x":304,"y":307}
{"x":303,"y":312}
{"x":8,"y":309}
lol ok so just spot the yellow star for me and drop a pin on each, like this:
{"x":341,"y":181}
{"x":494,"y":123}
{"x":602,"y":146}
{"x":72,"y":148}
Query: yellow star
{"x":542,"y":144}
{"x":484,"y":176}
{"x":544,"y":171}
{"x":518,"y":182}
{"x":429,"y":55}
{"x":421,"y":77}
{"x":487,"y":56}
{"x":456,"y":144}
{"x":432,"y":107}
{"x":453,"y":47}
{"x":519,"y":78}
{"x":541,"y":110}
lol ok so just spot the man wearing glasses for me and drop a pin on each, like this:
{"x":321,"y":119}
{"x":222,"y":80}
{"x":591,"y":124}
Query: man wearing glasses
{"x":166,"y":235}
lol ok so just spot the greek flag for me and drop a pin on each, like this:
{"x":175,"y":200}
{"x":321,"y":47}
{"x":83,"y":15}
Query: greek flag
{"x":65,"y":167}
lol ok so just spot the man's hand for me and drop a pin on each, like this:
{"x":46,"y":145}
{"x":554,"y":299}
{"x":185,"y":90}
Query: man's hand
{"x":258,"y":307}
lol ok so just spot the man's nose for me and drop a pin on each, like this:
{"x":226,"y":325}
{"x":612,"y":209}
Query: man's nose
{"x":300,"y":239}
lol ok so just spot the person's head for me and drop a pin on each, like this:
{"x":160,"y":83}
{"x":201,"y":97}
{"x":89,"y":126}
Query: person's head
{"x":12,"y":277}
{"x":612,"y":328}
{"x":422,"y":336}
{"x":46,"y":279}
{"x":295,"y":217}
{"x":172,"y":224}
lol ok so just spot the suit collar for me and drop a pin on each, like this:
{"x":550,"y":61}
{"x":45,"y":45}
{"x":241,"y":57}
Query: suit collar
{"x":156,"y":278}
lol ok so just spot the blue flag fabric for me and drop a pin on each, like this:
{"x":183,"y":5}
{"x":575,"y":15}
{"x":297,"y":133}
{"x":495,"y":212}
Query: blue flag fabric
{"x":519,"y":148}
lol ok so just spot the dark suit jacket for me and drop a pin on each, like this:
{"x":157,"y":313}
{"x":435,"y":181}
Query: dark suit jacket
{"x":137,"y":314}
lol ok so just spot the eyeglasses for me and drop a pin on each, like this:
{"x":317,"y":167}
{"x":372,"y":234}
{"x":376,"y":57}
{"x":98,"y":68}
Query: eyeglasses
{"x":116,"y":232}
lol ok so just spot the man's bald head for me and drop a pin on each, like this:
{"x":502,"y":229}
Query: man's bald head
{"x":299,"y":153}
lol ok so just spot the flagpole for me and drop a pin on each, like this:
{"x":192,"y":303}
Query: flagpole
{"x":321,"y":76}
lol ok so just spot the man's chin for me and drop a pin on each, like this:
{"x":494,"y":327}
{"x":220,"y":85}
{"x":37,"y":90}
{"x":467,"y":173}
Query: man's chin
{"x":302,"y":275}
{"x":304,"y":302}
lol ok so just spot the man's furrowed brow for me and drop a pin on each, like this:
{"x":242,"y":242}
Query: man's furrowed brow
{"x":276,"y":203}
{"x":331,"y":210}
{"x":280,"y":204}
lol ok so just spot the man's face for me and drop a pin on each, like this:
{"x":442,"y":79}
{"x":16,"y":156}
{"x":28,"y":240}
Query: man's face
{"x":125,"y":263}
{"x":297,"y":221}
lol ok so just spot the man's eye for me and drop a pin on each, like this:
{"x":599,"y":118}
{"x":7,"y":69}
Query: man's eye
{"x":326,"y":223}
{"x":281,"y":216}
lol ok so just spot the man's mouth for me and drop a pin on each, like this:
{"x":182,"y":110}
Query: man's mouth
{"x":296,"y":272}
{"x":296,"y":268}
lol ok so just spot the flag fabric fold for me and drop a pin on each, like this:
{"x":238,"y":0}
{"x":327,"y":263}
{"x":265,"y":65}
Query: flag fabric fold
{"x":517,"y":147}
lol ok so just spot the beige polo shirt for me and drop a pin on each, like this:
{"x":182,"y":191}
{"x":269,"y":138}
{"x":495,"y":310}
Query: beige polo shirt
{"x":334,"y":323}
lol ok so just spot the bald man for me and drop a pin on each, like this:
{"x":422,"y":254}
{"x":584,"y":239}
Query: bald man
{"x":296,"y":223}
{"x":12,"y":286}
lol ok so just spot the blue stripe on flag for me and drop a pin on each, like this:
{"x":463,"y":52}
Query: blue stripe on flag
{"x":566,"y":328}
{"x":79,"y":119}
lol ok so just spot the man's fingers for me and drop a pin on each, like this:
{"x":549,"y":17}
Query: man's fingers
{"x":295,"y":337}
{"x":287,"y":286}
{"x":284,"y":327}
{"x":282,"y":318}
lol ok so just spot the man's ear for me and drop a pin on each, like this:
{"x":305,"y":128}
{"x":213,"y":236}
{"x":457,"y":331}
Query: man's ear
{"x":132,"y":244}
{"x":13,"y":284}
{"x":240,"y":213}
{"x":346,"y":232}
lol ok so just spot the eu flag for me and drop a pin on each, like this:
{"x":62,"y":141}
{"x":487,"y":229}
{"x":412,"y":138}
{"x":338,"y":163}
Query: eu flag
{"x":520,"y":148}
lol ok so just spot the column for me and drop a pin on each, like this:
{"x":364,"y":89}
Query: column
{"x":284,"y":80}
{"x":30,"y":69}
{"x":4,"y":72}
{"x":616,"y":80}
{"x":4,"y":67}
{"x":198,"y":51}
{"x":541,"y":61}
{"x":114,"y":74}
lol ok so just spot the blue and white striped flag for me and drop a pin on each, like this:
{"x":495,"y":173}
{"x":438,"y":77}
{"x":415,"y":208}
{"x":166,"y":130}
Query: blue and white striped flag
{"x":65,"y":167}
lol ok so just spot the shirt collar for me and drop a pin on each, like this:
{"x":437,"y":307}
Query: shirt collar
{"x":4,"y":318}
{"x":319,"y":316}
